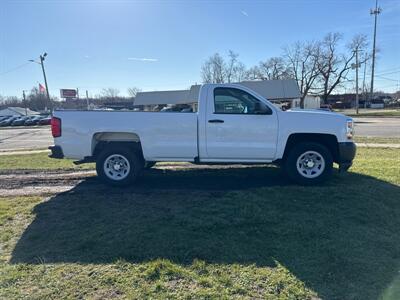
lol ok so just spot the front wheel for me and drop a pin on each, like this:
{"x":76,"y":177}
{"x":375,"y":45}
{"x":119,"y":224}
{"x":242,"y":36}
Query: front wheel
{"x":118,"y":166}
{"x":309,"y":163}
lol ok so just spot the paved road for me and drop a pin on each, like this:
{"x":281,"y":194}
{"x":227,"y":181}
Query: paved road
{"x":40,"y":137}
{"x":377,"y":127}
{"x":25,"y":138}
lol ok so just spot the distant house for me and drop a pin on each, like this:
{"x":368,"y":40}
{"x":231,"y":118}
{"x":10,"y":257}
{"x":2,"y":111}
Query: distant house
{"x":377,"y":103}
{"x":17,"y":111}
{"x":310,"y":102}
{"x":342,"y":100}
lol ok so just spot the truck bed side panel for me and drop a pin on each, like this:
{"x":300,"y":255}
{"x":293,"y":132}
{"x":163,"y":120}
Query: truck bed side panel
{"x":163,"y":135}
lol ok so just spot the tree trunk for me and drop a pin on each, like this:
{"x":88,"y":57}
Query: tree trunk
{"x":325,"y":98}
{"x":302,"y":101}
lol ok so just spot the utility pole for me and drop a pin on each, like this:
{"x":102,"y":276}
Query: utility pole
{"x":364,"y":92}
{"x":42,"y":58}
{"x":374,"y":12}
{"x":356,"y":66}
{"x":87,"y":99}
{"x":23,"y":95}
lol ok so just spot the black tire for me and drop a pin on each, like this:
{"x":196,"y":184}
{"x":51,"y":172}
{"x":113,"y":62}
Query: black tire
{"x":134,"y":161}
{"x":149,"y":164}
{"x":297,"y":153}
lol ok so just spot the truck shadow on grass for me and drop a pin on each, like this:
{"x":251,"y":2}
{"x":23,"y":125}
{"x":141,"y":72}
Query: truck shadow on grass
{"x":342,"y":239}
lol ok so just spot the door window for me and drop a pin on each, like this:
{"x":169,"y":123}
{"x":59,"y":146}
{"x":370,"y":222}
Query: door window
{"x":237,"y":101}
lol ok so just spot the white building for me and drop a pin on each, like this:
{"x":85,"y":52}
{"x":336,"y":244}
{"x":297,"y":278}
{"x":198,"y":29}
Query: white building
{"x":310,"y":102}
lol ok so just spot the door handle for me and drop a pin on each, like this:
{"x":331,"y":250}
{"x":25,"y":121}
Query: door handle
{"x":216,"y":121}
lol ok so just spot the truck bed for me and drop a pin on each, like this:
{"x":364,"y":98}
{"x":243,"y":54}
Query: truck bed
{"x":172,"y":134}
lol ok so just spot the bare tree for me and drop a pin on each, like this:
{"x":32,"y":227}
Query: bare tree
{"x":230,"y":67}
{"x":239,"y":73}
{"x":37,"y":100}
{"x":133,"y":91}
{"x":273,"y":68}
{"x":253,"y":73}
{"x":333,"y":65}
{"x":109,"y":93}
{"x":9,"y":101}
{"x":318,"y":67}
{"x":213,"y":69}
{"x":234,"y":70}
{"x":302,"y":65}
{"x":216,"y":70}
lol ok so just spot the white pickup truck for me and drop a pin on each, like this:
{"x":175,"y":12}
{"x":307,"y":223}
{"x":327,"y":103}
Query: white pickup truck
{"x":232,"y":124}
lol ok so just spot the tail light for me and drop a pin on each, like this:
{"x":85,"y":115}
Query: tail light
{"x":55,"y":127}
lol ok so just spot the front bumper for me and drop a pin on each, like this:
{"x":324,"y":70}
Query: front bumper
{"x":347,"y":152}
{"x":56,"y":152}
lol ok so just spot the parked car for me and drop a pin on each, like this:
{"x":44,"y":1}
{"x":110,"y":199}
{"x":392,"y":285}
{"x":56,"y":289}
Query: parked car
{"x":2,"y":118}
{"x":33,"y":120}
{"x":326,"y":107}
{"x":233,"y":125}
{"x":45,"y":121}
{"x":19,"y":121}
{"x":7,"y":122}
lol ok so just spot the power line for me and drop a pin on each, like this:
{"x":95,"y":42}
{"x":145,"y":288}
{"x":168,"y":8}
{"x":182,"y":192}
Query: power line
{"x":386,"y":86}
{"x":388,"y":73}
{"x":384,"y":73}
{"x":389,"y":70}
{"x":14,"y":69}
{"x":385,"y":78}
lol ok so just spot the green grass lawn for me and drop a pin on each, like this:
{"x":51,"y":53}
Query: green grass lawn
{"x":373,"y":113}
{"x":38,"y":161}
{"x":376,"y":140}
{"x":209,"y":234}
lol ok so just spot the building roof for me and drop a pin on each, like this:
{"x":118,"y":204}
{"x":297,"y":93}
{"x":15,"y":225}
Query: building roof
{"x":17,"y":111}
{"x":162,"y":97}
{"x":274,"y":89}
{"x":269,"y":89}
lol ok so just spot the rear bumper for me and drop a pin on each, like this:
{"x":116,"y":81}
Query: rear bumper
{"x":347,"y":152}
{"x":56,"y":152}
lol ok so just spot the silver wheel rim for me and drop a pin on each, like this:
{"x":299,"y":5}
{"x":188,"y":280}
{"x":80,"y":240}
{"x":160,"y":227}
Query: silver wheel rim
{"x":310,"y":164}
{"x":116,"y":167}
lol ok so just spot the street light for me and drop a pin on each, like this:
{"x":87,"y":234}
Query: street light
{"x":42,"y":58}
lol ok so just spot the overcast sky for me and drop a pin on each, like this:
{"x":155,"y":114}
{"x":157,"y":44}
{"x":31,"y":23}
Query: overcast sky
{"x":157,"y":45}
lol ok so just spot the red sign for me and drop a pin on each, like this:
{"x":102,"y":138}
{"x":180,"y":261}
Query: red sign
{"x":68,"y":93}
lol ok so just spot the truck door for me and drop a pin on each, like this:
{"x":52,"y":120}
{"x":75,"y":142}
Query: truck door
{"x":239,"y":126}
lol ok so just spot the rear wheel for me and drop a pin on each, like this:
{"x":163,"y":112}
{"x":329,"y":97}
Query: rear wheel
{"x":118,"y":166}
{"x":309,"y":163}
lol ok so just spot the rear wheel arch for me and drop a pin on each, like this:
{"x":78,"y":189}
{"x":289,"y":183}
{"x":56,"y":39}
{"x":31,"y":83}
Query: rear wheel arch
{"x":103,"y":140}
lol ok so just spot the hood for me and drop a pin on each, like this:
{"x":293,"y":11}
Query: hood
{"x":315,"y":112}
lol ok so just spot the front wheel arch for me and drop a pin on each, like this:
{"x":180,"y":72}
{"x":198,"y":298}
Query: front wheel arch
{"x":330,"y":141}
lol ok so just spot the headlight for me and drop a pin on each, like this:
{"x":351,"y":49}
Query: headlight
{"x":349,"y":129}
